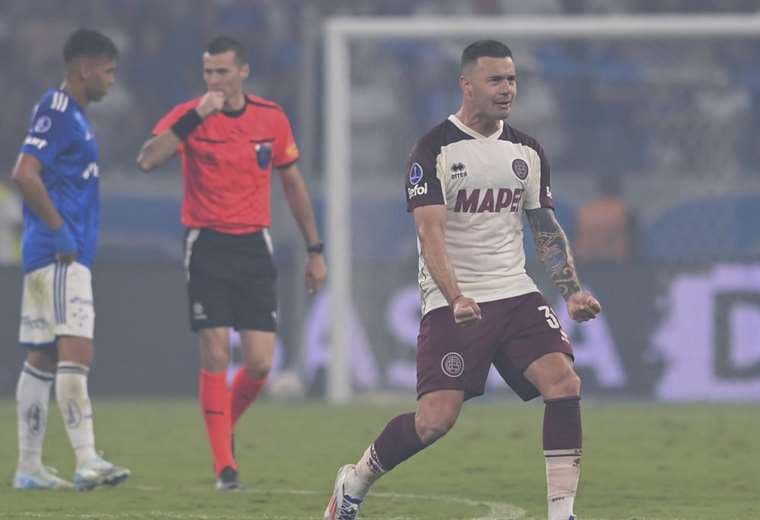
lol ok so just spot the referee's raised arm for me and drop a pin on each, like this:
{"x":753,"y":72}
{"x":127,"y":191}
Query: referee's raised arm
{"x":162,"y":146}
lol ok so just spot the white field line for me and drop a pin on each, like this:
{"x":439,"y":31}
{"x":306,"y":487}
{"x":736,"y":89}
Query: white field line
{"x":497,"y":510}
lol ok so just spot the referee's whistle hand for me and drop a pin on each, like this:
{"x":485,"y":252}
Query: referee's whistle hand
{"x":210,"y":103}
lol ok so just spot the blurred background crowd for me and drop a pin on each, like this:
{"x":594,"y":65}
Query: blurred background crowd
{"x":686,"y":112}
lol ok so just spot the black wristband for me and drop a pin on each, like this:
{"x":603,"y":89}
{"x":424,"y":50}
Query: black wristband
{"x":316,"y":249}
{"x":186,"y":124}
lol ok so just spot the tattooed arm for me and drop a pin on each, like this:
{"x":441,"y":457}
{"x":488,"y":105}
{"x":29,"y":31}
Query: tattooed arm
{"x":553,"y":250}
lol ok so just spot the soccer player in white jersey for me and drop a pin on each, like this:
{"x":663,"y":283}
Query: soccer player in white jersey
{"x":57,"y":174}
{"x":470,"y":180}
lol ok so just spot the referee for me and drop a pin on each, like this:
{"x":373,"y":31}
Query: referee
{"x":228,"y":142}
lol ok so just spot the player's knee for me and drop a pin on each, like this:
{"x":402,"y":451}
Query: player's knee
{"x":45,"y":360}
{"x":567,"y":385}
{"x":571,"y":385}
{"x":214,"y":359}
{"x":259,"y":369}
{"x":430,"y":428}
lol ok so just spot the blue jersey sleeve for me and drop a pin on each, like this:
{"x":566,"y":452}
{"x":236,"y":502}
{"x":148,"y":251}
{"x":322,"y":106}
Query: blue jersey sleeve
{"x":52,"y":131}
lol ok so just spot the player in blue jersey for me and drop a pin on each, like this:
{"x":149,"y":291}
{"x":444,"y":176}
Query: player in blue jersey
{"x":57,"y":174}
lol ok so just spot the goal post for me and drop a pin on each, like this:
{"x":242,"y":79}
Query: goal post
{"x":341,"y":31}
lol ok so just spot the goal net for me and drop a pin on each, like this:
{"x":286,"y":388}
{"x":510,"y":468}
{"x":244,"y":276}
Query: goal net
{"x":664,"y":109}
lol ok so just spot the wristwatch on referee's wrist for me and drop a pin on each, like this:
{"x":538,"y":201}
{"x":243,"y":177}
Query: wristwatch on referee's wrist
{"x":315,"y":248}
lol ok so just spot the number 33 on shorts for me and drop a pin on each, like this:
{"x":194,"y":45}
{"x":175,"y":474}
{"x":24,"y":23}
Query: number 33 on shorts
{"x":553,"y":321}
{"x":551,"y":318}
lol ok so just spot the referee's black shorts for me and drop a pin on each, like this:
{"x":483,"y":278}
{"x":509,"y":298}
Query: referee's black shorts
{"x":230,"y":280}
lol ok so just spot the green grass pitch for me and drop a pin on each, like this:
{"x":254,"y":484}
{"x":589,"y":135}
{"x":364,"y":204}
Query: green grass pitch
{"x":641,"y":462}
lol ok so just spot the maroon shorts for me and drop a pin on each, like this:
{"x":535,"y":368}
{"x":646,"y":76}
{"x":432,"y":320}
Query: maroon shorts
{"x":513,"y":333}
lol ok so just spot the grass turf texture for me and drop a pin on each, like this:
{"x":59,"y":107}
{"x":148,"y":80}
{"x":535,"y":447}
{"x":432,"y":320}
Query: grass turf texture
{"x":641,"y":462}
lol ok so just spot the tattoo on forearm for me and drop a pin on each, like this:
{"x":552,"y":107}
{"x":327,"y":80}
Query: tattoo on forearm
{"x":554,"y":250}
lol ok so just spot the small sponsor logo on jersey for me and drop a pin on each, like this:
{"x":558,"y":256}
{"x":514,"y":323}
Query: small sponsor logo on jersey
{"x":520,"y":168}
{"x":488,"y":201}
{"x":87,"y":135}
{"x":42,"y":125}
{"x":292,"y":151}
{"x":458,"y":170}
{"x":416,"y":191}
{"x":263,"y":155}
{"x":415,"y":174}
{"x":36,"y":142}
{"x":452,"y":364}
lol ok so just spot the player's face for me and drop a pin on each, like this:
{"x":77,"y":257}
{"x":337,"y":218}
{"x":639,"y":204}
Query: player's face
{"x":99,"y":75}
{"x":223,"y":73}
{"x":490,"y":84}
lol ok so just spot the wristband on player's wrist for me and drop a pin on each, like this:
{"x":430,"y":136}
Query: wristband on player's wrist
{"x":186,"y":124}
{"x":316,"y":248}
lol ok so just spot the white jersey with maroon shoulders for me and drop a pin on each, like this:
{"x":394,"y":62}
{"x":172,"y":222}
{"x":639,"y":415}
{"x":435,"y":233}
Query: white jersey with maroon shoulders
{"x":485,"y":182}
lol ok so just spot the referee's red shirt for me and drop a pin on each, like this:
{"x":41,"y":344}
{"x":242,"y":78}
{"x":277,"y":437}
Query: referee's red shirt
{"x":227,"y":164}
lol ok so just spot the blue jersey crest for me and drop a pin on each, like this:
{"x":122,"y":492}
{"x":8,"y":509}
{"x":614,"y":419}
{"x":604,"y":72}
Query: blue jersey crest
{"x":61,"y":139}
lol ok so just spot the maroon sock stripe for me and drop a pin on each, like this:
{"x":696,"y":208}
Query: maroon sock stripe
{"x":562,"y":424}
{"x":397,"y":442}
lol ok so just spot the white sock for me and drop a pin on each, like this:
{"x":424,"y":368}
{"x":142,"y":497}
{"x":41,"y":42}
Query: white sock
{"x":563,"y":470}
{"x":32,"y":400}
{"x":74,"y":402}
{"x":365,"y":473}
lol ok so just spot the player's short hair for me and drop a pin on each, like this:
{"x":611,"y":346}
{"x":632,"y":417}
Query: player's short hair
{"x":484,"y":49}
{"x":222,"y":44}
{"x":87,"y":42}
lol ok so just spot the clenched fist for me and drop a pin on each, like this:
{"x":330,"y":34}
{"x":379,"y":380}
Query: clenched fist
{"x":466,"y":311}
{"x":583,"y":307}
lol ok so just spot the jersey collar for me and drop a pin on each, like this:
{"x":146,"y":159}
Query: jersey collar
{"x":477,"y":135}
{"x":238,"y":113}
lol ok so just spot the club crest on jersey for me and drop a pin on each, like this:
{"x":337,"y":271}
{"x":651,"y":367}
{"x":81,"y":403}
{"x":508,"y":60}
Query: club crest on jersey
{"x":452,"y":364}
{"x":263,"y":154}
{"x":520,"y":168}
{"x":415,"y":174}
{"x":42,"y":125}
